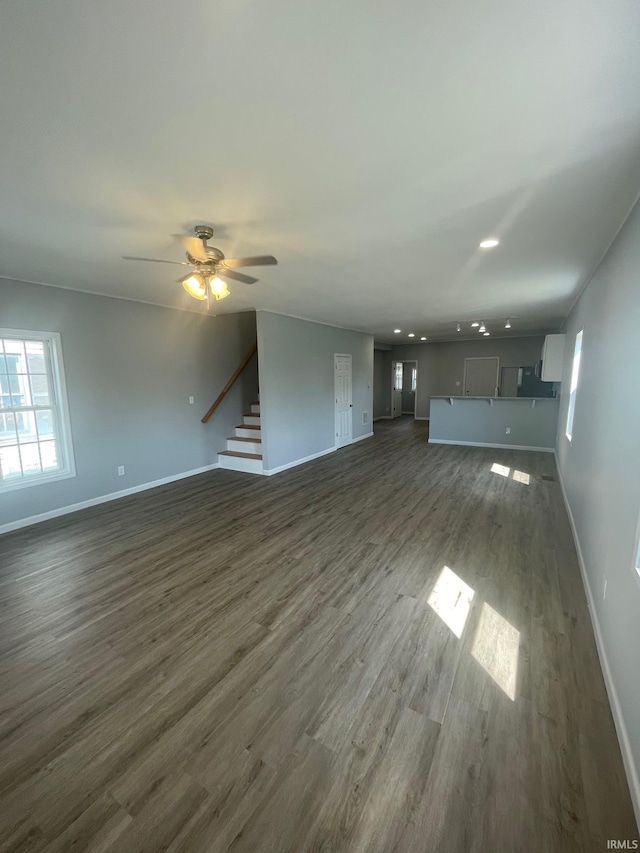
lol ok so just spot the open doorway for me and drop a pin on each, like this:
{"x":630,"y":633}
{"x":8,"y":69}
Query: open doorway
{"x":404,"y":388}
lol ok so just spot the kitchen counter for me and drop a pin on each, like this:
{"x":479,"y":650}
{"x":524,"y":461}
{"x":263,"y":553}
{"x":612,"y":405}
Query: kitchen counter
{"x":520,"y":423}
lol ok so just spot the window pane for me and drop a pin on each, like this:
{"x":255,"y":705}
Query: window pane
{"x":40,"y":390}
{"x":35,"y":357}
{"x":30,"y":457}
{"x":3,"y":361}
{"x":10,"y":461}
{"x":26,"y":426}
{"x":44,"y":422}
{"x":49,"y":455}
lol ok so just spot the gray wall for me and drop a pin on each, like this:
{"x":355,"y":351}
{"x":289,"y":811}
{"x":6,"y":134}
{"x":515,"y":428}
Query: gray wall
{"x":130,"y":369}
{"x":441,"y":365}
{"x":477,"y":421}
{"x":297,"y":385}
{"x":381,"y":384}
{"x":600,"y":466}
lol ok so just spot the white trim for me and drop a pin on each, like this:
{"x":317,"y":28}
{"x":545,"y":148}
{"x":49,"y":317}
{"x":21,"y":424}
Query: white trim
{"x":420,"y":419}
{"x":633,"y":778}
{"x":65,"y":510}
{"x":361,"y":437}
{"x":268,"y":472}
{"x":497,"y":446}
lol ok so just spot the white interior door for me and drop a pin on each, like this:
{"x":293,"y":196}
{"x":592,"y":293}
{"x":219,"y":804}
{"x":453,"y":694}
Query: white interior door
{"x":396,"y":388}
{"x":481,"y":377}
{"x":344,"y":403}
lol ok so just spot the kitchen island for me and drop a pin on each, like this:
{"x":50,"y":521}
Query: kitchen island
{"x":521,"y":423}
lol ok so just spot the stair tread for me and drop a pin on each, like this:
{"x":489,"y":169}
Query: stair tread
{"x":251,"y":415}
{"x":247,"y":426}
{"x":242,"y":438}
{"x":241,"y":455}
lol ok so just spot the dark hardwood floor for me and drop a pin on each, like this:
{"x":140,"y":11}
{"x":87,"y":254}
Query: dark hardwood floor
{"x":387,"y":649}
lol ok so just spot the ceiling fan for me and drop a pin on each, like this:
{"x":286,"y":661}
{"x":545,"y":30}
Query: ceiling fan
{"x":210,"y":267}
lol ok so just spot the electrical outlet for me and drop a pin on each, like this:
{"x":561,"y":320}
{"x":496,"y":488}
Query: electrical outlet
{"x":120,"y":470}
{"x":192,"y":400}
{"x":604,"y":589}
{"x":508,"y":431}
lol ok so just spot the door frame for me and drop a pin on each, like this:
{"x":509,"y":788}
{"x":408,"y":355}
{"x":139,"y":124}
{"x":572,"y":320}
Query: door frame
{"x":482,"y":358}
{"x":404,"y":361}
{"x":336,"y":356}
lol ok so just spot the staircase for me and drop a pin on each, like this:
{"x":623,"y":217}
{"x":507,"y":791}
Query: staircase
{"x":244,"y":449}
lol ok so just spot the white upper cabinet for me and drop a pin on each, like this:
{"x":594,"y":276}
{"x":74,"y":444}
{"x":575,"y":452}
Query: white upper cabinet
{"x":552,"y":358}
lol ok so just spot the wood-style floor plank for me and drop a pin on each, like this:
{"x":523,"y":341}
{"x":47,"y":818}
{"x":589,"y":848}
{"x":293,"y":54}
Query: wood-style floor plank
{"x":388,"y":649}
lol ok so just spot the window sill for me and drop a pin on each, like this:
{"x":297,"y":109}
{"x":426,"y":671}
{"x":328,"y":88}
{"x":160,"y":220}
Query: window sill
{"x":24,"y":483}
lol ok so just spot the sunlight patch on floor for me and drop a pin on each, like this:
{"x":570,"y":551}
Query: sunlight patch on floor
{"x":500,"y":469}
{"x":451,"y":599}
{"x":495,"y":647}
{"x":521,"y":477}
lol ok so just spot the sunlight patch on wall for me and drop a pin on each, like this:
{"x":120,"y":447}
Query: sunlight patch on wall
{"x":451,"y":599}
{"x":495,"y":647}
{"x":500,"y":469}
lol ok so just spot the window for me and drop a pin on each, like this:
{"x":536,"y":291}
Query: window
{"x":35,"y":443}
{"x":575,"y":372}
{"x":414,"y":378}
{"x":397,"y":385}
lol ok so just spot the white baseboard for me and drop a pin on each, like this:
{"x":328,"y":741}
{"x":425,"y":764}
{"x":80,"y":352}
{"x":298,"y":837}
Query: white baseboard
{"x":633,"y":777}
{"x":361,"y":438}
{"x":420,"y":419}
{"x":113,"y":496}
{"x":497,"y":446}
{"x":270,"y":471}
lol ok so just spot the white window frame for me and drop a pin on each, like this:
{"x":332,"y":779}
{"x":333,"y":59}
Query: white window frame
{"x":575,"y":379}
{"x":58,"y":404}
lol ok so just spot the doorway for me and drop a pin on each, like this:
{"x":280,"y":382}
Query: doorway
{"x":344,"y":403}
{"x":481,"y":377}
{"x":404,"y":388}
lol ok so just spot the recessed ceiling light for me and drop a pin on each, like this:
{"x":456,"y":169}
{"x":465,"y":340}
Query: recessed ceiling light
{"x":489,"y":243}
{"x":507,"y":325}
{"x":482,"y":328}
{"x":457,"y":327}
{"x":411,"y":335}
{"x":475,"y":325}
{"x":423,"y":339}
{"x":397,"y":331}
{"x":486,"y":334}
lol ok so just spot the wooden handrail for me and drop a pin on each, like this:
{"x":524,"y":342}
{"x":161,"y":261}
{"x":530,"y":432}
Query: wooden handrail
{"x":227,"y":387}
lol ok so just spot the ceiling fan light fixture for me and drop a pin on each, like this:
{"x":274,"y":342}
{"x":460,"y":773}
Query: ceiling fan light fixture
{"x":195,"y":286}
{"x":218,"y":287}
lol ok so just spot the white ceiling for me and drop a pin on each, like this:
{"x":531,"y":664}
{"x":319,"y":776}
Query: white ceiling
{"x":369,"y":145}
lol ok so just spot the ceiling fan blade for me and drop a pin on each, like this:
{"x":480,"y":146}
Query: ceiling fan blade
{"x":236,"y":276}
{"x":194,"y":246}
{"x":154,"y":260}
{"x":261,"y":261}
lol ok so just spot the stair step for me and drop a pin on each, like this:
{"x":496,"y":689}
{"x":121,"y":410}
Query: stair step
{"x":240,"y":438}
{"x":247,"y":426}
{"x":251,"y":415}
{"x":240,"y":455}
